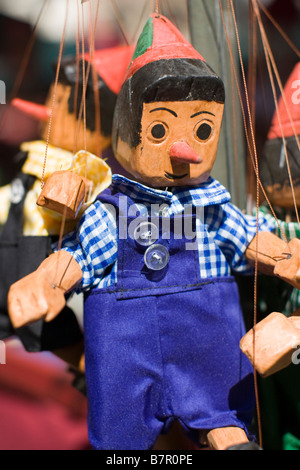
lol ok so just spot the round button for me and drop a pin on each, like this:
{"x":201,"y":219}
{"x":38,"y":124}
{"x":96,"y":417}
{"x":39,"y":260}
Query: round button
{"x":156,"y":257}
{"x":146,"y":233}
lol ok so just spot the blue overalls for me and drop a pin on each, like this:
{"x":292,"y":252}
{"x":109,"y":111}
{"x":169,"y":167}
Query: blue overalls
{"x":163,"y":344}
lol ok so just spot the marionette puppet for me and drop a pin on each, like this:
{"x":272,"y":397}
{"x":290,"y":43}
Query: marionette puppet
{"x":30,"y":229}
{"x":277,"y":337}
{"x":154,"y":255}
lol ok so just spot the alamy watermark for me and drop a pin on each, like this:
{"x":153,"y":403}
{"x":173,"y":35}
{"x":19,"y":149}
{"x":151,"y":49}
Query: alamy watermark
{"x":2,"y":92}
{"x":296,"y":355}
{"x":2,"y":352}
{"x":146,"y":225}
{"x":296,"y":94}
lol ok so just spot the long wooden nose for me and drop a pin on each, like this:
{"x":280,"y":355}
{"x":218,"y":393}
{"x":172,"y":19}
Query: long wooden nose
{"x":38,"y":111}
{"x":182,"y":152}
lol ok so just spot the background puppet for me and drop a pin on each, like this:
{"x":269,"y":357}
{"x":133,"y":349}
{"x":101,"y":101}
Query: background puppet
{"x":28,"y":230}
{"x":162,"y":318}
{"x":280,"y":391}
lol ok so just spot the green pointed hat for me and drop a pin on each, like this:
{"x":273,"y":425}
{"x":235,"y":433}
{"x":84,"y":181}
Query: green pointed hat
{"x":160,"y":39}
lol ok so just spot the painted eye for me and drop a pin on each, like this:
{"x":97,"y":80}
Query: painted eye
{"x":204,"y":131}
{"x":158,"y":131}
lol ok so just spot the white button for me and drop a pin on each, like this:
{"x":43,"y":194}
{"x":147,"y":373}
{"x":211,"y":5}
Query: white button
{"x":156,"y":257}
{"x":146,"y":233}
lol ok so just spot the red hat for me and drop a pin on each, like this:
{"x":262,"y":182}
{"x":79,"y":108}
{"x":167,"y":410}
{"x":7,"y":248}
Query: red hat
{"x":160,"y":39}
{"x":111,"y":64}
{"x":292,"y":99}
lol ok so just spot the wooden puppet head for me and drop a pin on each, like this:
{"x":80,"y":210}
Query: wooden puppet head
{"x":273,"y":165}
{"x":169,"y":111}
{"x":102,"y":88}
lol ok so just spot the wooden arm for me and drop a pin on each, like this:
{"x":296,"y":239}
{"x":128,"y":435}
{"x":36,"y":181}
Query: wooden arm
{"x":62,"y":269}
{"x":41,"y":293}
{"x":267,"y":248}
{"x":276,"y":257}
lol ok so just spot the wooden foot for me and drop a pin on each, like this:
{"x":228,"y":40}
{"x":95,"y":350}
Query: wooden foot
{"x":64,"y":192}
{"x":223,"y":438}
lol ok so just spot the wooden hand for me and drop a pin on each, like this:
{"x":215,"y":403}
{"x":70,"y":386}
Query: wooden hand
{"x":271,"y":343}
{"x":276,"y":257}
{"x":41,"y":293}
{"x":33,"y":298}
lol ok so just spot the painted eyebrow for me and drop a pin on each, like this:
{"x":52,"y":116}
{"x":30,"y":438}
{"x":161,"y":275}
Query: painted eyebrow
{"x":202,"y":112}
{"x":164,"y":109}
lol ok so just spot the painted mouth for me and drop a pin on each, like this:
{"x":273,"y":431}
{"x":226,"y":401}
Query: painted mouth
{"x":171,"y":176}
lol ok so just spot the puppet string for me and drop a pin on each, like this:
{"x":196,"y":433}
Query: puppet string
{"x":233,"y":68}
{"x":97,"y":108}
{"x":64,"y":214}
{"x":270,"y":61}
{"x":146,"y":4}
{"x":23,"y":65}
{"x":54,"y":93}
{"x":83,"y":77}
{"x":58,"y":282}
{"x":172,"y":17}
{"x":283,"y":256}
{"x":271,"y":56}
{"x":251,"y":149}
{"x":77,"y":79}
{"x":230,"y":4}
{"x":278,"y":27}
{"x":234,"y":126}
{"x":84,"y":88}
{"x":119,"y":20}
{"x":252,"y":72}
{"x":95,"y":82}
{"x":188,"y":26}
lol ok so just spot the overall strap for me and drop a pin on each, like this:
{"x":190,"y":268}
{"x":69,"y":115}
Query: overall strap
{"x":120,"y":201}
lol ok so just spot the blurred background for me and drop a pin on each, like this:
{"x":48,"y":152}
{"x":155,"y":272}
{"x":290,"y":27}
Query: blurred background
{"x":39,"y":406}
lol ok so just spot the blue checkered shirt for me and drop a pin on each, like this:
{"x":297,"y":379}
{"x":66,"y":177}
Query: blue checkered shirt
{"x":223,"y":232}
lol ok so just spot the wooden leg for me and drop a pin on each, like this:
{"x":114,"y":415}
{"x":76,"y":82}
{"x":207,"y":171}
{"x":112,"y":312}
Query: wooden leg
{"x":223,"y":438}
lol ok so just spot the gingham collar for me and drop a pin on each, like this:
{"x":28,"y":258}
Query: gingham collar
{"x":209,"y":193}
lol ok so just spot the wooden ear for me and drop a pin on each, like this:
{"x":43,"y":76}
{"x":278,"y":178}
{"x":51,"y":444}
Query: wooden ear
{"x":64,"y":192}
{"x":270,"y":345}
